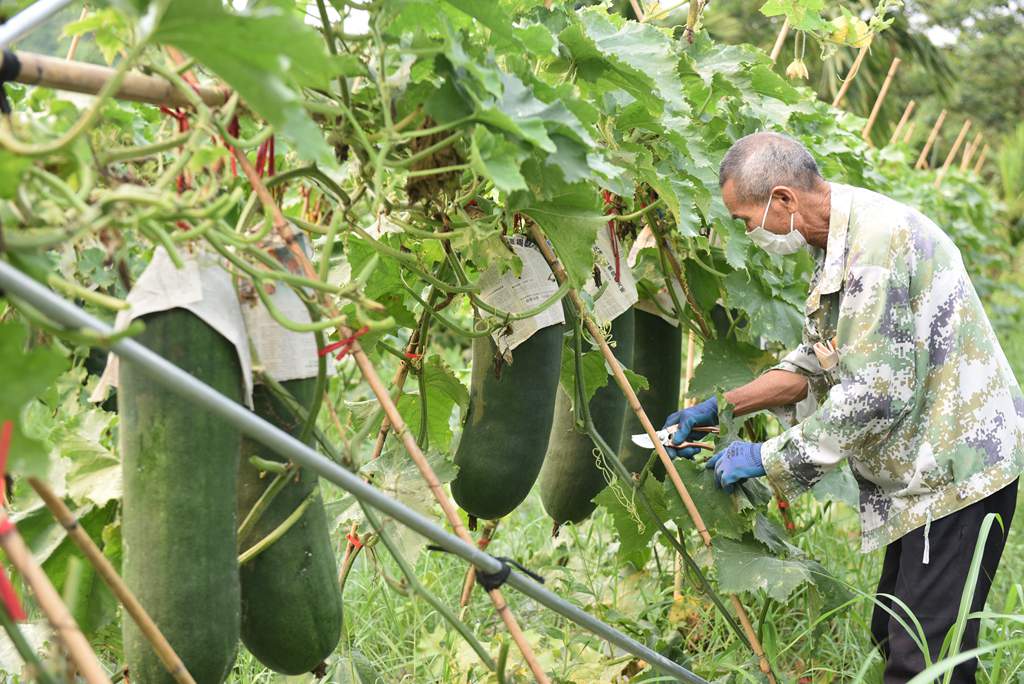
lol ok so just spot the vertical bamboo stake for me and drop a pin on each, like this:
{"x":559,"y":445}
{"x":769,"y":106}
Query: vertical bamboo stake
{"x":981,"y":159}
{"x":910,"y":132}
{"x":921,"y":159}
{"x":399,"y":427}
{"x":620,"y":379}
{"x":77,"y":37}
{"x":637,"y":10}
{"x":780,"y":40}
{"x":106,"y":571}
{"x":907,"y":111}
{"x":854,"y":68}
{"x":970,"y":150}
{"x":866,"y":133}
{"x":49,"y":601}
{"x":952,"y":153}
{"x":691,"y":344}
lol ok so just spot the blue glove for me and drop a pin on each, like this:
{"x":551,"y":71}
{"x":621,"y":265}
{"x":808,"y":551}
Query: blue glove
{"x":704,"y":414}
{"x":736,"y":463}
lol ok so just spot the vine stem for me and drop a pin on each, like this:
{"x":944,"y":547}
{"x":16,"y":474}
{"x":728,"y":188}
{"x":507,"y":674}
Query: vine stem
{"x":634,"y":403}
{"x":369,"y":373}
{"x":677,"y":271}
{"x":263,"y":544}
{"x":106,"y":571}
{"x":50,"y":603}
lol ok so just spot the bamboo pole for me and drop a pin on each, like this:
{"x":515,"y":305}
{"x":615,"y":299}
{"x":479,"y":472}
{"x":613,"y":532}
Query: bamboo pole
{"x":620,"y":378}
{"x":691,"y":353}
{"x":80,"y":77}
{"x":106,"y":571}
{"x":866,"y":133}
{"x":49,"y":601}
{"x":970,"y":150}
{"x":952,"y":153}
{"x":854,"y":68}
{"x":981,"y":159}
{"x":921,"y":159}
{"x":399,"y":427}
{"x":637,"y":10}
{"x":907,"y":111}
{"x":780,"y":40}
{"x":485,"y":540}
{"x":77,"y":37}
{"x":910,"y":132}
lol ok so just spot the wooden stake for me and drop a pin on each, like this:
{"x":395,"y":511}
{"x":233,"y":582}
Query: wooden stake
{"x":106,"y":571}
{"x":866,"y":133}
{"x":970,"y":150}
{"x":485,"y":540}
{"x":77,"y":37}
{"x":634,"y":403}
{"x":80,"y":77}
{"x":981,"y":159}
{"x":907,"y":111}
{"x":910,"y":132}
{"x":921,"y":160}
{"x":691,"y":344}
{"x":399,"y":427}
{"x":780,"y":40}
{"x":952,"y":153}
{"x":854,"y":68}
{"x":637,"y":10}
{"x":58,"y":615}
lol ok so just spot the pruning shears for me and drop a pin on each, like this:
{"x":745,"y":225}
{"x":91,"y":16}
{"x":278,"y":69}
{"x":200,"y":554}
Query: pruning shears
{"x":665,"y":437}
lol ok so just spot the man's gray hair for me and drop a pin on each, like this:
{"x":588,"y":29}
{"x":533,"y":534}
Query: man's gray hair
{"x":758,"y":162}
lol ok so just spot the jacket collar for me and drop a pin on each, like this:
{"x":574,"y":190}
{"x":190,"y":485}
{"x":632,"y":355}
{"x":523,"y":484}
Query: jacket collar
{"x":833,"y":265}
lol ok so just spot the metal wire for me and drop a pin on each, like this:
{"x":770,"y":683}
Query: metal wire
{"x":28,"y":20}
{"x":180,"y":382}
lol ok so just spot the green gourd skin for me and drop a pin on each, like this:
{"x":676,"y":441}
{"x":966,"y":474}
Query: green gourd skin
{"x":291,"y":603}
{"x":180,"y":467}
{"x":570,"y":477}
{"x":657,"y":355}
{"x":507,"y":424}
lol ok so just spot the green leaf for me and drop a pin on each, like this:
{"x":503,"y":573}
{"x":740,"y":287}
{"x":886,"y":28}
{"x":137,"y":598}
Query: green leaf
{"x":595,"y":373}
{"x":719,"y":510}
{"x":11,"y":168}
{"x":24,"y":375}
{"x":444,"y":392}
{"x":634,"y":525}
{"x":637,"y":58}
{"x":770,"y":317}
{"x":724,"y":364}
{"x":498,"y":158}
{"x":571,"y":221}
{"x":264,"y":55}
{"x":747,"y":566}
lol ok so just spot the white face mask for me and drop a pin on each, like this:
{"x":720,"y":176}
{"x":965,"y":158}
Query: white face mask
{"x":773,"y":243}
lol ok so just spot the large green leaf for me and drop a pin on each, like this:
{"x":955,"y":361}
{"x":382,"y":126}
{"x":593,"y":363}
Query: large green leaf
{"x":747,"y":566}
{"x":571,"y":221}
{"x":774,"y":319}
{"x":720,"y":511}
{"x":24,"y":375}
{"x":265,"y":55}
{"x":633,"y":523}
{"x":443,"y":393}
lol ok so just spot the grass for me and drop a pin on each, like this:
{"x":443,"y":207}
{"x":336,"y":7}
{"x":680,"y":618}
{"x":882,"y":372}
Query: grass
{"x":408,"y":642}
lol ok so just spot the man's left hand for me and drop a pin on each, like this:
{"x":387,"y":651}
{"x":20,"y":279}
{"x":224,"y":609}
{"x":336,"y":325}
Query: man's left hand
{"x":737,"y":462}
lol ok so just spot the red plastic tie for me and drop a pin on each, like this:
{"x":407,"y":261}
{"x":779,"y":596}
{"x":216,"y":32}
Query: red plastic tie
{"x":344,"y":346}
{"x":353,"y":539}
{"x":413,"y":356}
{"x":609,"y":204}
{"x":10,"y":598}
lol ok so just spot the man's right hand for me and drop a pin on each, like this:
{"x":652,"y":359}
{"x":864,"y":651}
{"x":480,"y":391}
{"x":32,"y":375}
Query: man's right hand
{"x":704,"y":414}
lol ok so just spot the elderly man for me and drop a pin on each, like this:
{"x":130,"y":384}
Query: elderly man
{"x":911,"y":385}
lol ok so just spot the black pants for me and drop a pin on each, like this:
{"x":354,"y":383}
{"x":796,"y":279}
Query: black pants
{"x":933,"y":591}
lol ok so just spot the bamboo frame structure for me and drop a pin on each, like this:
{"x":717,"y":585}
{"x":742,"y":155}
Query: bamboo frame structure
{"x":922,"y":158}
{"x":907,"y":111}
{"x":634,"y":403}
{"x":780,"y":40}
{"x":81,"y":77}
{"x":106,"y":571}
{"x":866,"y":133}
{"x":49,"y":601}
{"x":910,"y":132}
{"x":854,"y":68}
{"x":952,"y":153}
{"x":981,"y":159}
{"x":969,"y":151}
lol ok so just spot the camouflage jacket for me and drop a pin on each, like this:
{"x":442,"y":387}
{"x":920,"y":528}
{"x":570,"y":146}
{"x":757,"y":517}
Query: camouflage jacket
{"x":923,"y":403}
